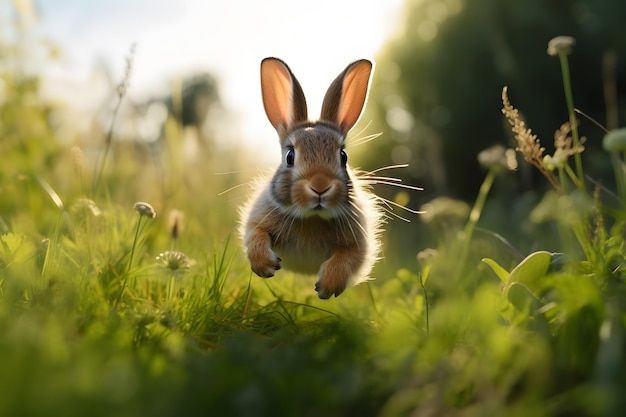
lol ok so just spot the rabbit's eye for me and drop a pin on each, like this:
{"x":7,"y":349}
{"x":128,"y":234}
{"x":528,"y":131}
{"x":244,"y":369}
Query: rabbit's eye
{"x":344,"y":157}
{"x":291,"y":155}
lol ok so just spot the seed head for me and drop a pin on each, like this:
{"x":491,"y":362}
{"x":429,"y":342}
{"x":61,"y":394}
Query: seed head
{"x":561,"y":44}
{"x":144,"y":209}
{"x":175,"y":223}
{"x":527,"y":143}
{"x":77,"y":158}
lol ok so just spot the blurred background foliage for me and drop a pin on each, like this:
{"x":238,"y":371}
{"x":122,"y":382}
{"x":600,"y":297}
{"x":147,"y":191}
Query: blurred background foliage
{"x":436,"y":98}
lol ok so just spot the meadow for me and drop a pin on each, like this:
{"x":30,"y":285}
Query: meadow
{"x":124,"y":292}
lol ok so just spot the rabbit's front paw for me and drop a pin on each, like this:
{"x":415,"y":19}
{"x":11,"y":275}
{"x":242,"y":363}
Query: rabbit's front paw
{"x":332,"y":280}
{"x":264,"y":264}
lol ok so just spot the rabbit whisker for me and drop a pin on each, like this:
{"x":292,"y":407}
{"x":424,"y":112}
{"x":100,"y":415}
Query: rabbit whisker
{"x":356,"y":135}
{"x":389,"y":213}
{"x":233,"y":188}
{"x":355,"y":216}
{"x":364,"y":139}
{"x":395,"y":182}
{"x":345,"y":220}
{"x":390,"y":203}
{"x":241,"y":171}
{"x":388,"y":167}
{"x":358,"y":244}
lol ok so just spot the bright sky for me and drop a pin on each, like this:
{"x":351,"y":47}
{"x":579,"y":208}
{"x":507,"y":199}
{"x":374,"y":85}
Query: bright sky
{"x":228,"y":38}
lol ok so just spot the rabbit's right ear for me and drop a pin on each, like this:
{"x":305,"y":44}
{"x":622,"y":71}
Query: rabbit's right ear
{"x":283,"y":97}
{"x":346,"y":96}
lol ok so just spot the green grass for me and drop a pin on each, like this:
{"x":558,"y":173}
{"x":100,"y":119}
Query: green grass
{"x":98,"y":318}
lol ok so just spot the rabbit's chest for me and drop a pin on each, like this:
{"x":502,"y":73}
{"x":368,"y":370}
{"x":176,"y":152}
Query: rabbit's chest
{"x":305,"y":244}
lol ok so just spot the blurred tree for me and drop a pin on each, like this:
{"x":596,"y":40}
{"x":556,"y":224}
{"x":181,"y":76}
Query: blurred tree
{"x":437,"y":91}
{"x":194,"y":101}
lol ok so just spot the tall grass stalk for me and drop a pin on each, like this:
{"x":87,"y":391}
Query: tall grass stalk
{"x":423,"y":275}
{"x":474,"y":216}
{"x":122,"y":89}
{"x":130,"y":261}
{"x":569,"y":99}
{"x":144,"y":210}
{"x":63,"y":216}
{"x":620,"y":176}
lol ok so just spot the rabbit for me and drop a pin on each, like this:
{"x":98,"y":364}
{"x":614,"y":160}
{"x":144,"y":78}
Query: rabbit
{"x":313,"y":216}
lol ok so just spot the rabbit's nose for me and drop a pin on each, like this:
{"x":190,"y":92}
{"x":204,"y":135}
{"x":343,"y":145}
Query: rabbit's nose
{"x":320,"y":185}
{"x":320,"y":192}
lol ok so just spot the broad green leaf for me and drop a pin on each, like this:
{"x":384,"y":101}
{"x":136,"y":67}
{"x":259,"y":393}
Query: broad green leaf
{"x":534,"y":267}
{"x":521,"y":297}
{"x":497,"y":269}
{"x":15,"y":248}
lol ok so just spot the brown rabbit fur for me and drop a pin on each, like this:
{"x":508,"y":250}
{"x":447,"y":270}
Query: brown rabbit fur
{"x":313,"y":216}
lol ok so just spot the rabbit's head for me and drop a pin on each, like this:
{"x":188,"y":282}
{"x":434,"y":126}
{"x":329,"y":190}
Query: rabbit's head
{"x":313,"y":178}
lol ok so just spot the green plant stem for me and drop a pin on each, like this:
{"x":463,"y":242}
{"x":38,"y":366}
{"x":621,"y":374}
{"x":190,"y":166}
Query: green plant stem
{"x":479,"y":205}
{"x":563,"y":181}
{"x":573,"y":176}
{"x":578,"y":228}
{"x":132,"y":250}
{"x":107,"y":145}
{"x":567,"y":86}
{"x":170,"y":288}
{"x":130,"y":260}
{"x":425,"y":303}
{"x":620,"y":178}
{"x":474,"y":216}
{"x":584,"y":241}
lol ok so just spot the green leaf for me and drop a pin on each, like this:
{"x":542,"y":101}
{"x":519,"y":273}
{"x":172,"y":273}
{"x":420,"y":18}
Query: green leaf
{"x":497,"y":269}
{"x":530,"y":271}
{"x":521,"y":297}
{"x":15,"y":248}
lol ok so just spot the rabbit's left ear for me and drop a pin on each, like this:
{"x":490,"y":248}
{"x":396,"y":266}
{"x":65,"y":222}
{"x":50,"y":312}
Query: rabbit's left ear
{"x":346,"y":96}
{"x":283,"y":98}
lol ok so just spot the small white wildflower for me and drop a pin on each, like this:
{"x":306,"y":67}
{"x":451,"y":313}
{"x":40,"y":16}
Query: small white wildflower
{"x":144,"y":209}
{"x":561,"y":44}
{"x":444,"y":210}
{"x":174,"y":260}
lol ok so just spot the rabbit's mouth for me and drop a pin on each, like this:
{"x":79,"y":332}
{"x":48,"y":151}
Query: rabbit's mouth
{"x":318,"y":196}
{"x":321,"y":209}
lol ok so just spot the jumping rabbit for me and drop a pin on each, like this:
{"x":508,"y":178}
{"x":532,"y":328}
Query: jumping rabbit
{"x":313,"y":216}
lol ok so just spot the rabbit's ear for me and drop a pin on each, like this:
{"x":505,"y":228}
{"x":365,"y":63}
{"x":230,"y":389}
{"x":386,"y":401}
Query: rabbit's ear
{"x":346,"y":96}
{"x":283,"y":97}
